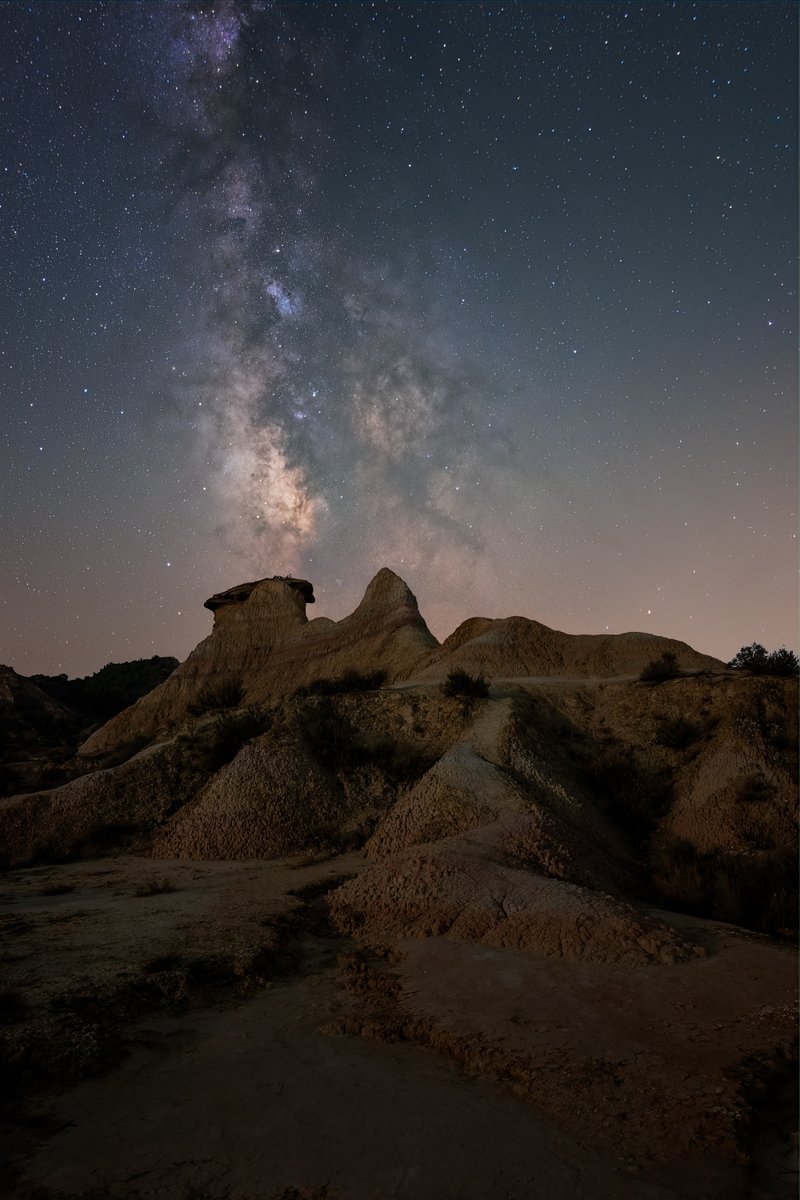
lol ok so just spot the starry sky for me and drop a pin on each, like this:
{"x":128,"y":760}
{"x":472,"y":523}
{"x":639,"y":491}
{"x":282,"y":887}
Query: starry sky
{"x":499,"y":295}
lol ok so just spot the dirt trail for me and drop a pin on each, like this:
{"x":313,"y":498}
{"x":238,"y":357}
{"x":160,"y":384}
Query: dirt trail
{"x":483,"y":733}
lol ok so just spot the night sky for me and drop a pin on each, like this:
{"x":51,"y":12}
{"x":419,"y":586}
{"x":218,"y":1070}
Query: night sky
{"x":501,"y":296}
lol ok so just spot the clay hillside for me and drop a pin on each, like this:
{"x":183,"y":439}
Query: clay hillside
{"x":512,"y":915}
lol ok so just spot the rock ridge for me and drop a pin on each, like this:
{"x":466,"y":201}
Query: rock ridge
{"x":263,"y":644}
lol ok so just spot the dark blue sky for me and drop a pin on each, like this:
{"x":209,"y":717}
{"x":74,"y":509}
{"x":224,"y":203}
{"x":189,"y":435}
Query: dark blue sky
{"x":502,"y":296}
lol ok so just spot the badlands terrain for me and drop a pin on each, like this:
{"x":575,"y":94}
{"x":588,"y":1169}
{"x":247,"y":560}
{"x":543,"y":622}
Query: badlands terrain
{"x":324,"y":915}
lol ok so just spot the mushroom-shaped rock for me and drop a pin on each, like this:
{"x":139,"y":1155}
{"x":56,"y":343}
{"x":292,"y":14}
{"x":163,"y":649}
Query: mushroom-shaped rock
{"x":270,"y":599}
{"x":251,"y":621}
{"x":242,"y":591}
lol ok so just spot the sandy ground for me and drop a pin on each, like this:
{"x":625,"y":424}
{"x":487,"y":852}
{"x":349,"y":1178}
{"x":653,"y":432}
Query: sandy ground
{"x":236,"y":1048}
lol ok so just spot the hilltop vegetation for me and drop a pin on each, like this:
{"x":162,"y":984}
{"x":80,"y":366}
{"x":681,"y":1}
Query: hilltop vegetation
{"x":757,"y":661}
{"x":100,"y":696}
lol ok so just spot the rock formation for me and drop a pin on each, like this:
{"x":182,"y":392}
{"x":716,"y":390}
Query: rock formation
{"x":263,"y":644}
{"x":545,"y":884}
{"x":570,"y":770}
{"x":516,"y":648}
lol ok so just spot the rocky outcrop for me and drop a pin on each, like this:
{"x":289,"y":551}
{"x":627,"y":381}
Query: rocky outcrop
{"x":456,"y":889}
{"x":242,"y":591}
{"x":726,"y":743}
{"x":462,"y":791}
{"x":548,"y":885}
{"x":499,"y":843}
{"x":272,"y":800}
{"x":264,"y":645}
{"x":28,"y":714}
{"x":518,"y":648}
{"x":684,"y":790}
{"x":37,"y":733}
{"x":318,"y":772}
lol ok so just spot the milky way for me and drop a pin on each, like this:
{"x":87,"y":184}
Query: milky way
{"x":500,"y":296}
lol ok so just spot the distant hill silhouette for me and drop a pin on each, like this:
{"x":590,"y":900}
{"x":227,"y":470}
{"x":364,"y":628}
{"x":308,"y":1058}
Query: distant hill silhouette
{"x":114,"y":687}
{"x":44,"y":718}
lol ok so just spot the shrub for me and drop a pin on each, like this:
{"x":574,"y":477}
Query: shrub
{"x":783,"y":662}
{"x":348,"y":681}
{"x":340,"y":746}
{"x":125,"y":750}
{"x":758,"y":823}
{"x":634,"y":796}
{"x":756,"y":661}
{"x":330,"y":736}
{"x":660,"y":669}
{"x":758,"y":890}
{"x":401,"y":759}
{"x":13,"y":1007}
{"x":217,"y":744}
{"x":217,"y":697}
{"x":750,"y":658}
{"x":461,"y":683}
{"x":678,"y":733}
{"x":163,"y":962}
{"x":231,"y":732}
{"x":754,"y":789}
{"x":676,"y":870}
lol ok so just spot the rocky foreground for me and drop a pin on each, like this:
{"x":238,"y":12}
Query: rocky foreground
{"x":328,"y":931}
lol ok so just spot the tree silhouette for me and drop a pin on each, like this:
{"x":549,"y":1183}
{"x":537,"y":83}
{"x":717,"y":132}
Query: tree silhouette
{"x":755,"y":660}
